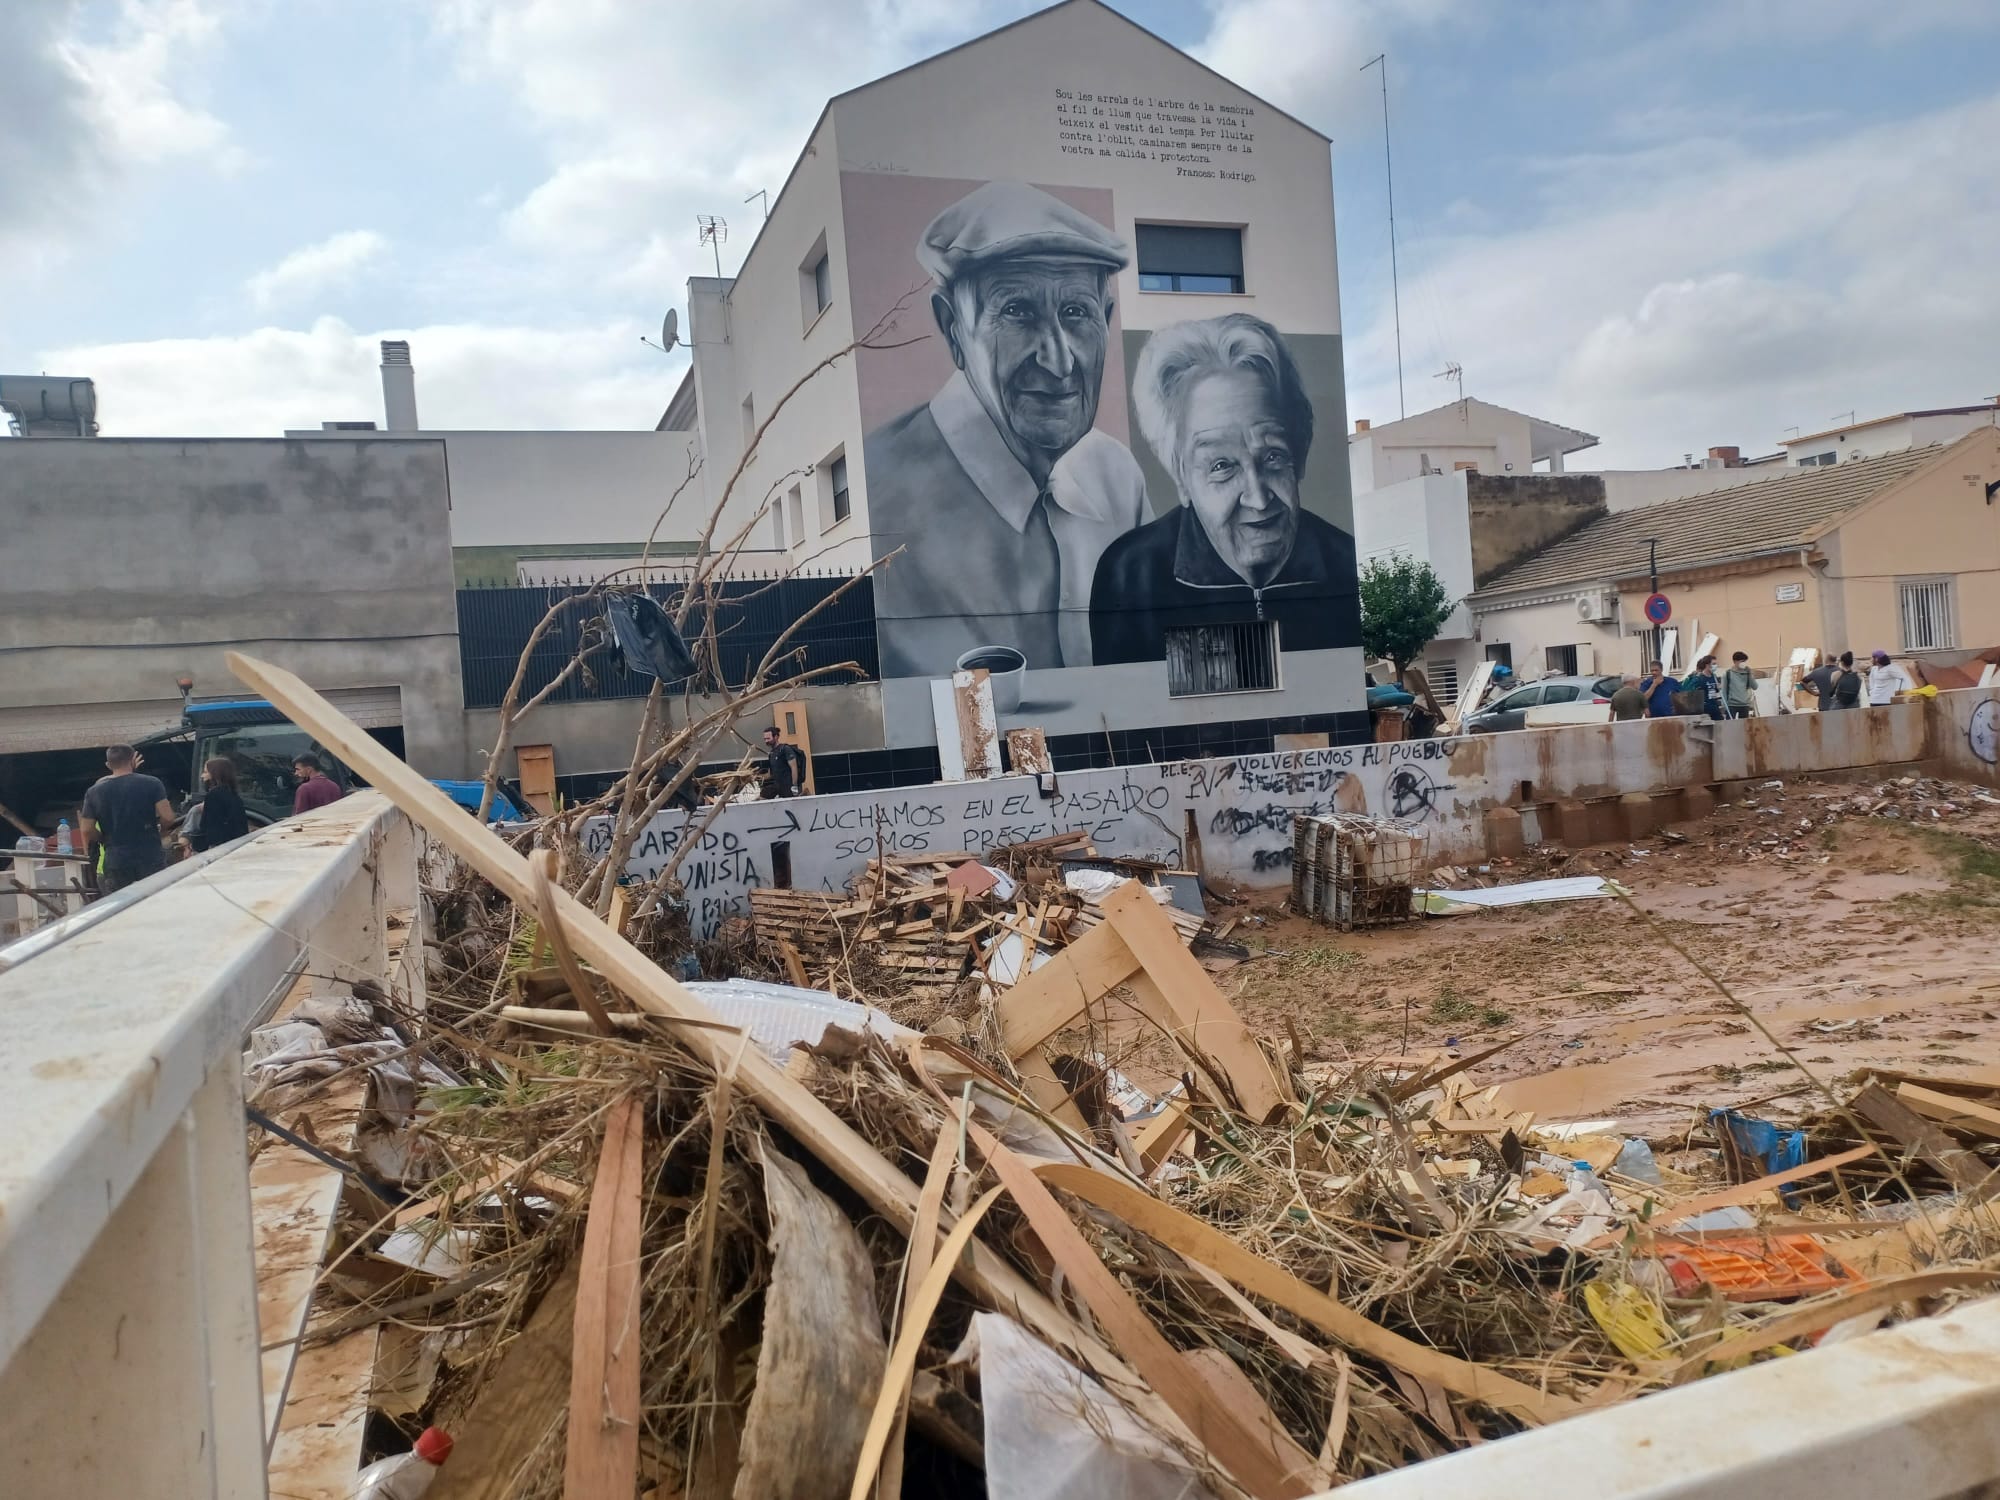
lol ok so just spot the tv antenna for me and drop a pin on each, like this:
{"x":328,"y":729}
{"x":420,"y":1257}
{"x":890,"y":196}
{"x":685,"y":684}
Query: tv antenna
{"x":1389,"y":171}
{"x":670,"y":333}
{"x":713,"y":232}
{"x":1455,"y":373}
{"x":760,"y":193}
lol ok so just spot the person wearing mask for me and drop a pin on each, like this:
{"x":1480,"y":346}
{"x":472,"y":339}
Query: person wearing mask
{"x":1847,"y":683}
{"x":124,"y":815}
{"x":785,"y":770}
{"x":1659,"y":689}
{"x":1887,"y":678}
{"x":1820,"y":680}
{"x":1739,"y":688}
{"x":1703,"y":680}
{"x":316,"y":788}
{"x":222,"y":816}
{"x":1628,"y":702}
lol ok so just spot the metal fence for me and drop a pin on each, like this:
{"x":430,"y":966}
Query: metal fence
{"x":494,"y":624}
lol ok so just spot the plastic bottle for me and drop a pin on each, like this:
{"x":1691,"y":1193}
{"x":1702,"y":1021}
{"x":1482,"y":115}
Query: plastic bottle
{"x":64,"y":844}
{"x":406,"y":1475}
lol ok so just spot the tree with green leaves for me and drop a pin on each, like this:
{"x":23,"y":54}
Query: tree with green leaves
{"x":1403,"y":602}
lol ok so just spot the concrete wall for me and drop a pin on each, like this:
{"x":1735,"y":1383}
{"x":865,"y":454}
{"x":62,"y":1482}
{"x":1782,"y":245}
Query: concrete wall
{"x":1634,"y":489}
{"x":131,"y":561}
{"x":1426,"y":519}
{"x":1513,"y":516}
{"x":1243,"y":807}
{"x":1529,"y":629}
{"x":1743,"y":610}
{"x":1473,"y":431}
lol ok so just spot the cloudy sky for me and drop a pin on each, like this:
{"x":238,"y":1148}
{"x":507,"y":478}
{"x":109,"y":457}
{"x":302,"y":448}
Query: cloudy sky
{"x":1672,"y":224}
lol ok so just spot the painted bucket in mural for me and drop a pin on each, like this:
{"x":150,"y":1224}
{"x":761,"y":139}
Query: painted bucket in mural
{"x":1242,"y":810}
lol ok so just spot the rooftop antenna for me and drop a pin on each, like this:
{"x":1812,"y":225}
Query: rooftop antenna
{"x":760,"y":193}
{"x":1395,"y":282}
{"x":713,"y":232}
{"x":1848,"y":414}
{"x":1455,"y":373}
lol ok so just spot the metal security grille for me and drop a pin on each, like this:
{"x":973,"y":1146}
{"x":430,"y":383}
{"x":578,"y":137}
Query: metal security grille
{"x":1204,"y":659}
{"x":1926,"y":611}
{"x":1444,"y":681}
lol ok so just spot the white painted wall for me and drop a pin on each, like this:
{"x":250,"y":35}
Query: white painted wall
{"x":1633,"y":489}
{"x":1425,"y":518}
{"x":1892,"y":435}
{"x":1494,"y":439}
{"x":1531,"y":628}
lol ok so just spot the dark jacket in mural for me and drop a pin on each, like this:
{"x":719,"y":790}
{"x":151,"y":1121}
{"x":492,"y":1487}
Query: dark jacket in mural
{"x":1168,"y":574}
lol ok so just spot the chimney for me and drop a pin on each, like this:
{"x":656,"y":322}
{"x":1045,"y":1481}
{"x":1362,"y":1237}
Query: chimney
{"x":399,"y":387}
{"x":1724,"y":458}
{"x":1360,"y":424}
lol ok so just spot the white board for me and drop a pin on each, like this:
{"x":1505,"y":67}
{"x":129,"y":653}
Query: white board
{"x":1469,"y":697}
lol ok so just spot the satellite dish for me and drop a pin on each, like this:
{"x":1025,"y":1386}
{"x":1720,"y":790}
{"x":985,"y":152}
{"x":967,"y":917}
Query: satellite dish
{"x":670,"y":329}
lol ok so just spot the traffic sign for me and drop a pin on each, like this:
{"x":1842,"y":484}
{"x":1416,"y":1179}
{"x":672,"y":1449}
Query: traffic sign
{"x":1658,"y":610}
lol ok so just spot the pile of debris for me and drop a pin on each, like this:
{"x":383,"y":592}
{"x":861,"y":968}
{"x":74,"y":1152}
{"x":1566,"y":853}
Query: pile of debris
{"x":747,"y":1239}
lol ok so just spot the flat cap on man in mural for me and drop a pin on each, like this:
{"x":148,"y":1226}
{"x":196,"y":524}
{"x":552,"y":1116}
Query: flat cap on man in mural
{"x":1011,"y":220}
{"x":1000,"y":489}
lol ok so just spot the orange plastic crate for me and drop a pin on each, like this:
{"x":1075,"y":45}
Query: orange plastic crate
{"x":1757,"y":1268}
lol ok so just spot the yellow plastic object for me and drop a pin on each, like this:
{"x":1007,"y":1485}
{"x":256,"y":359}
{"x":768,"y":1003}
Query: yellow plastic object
{"x":1631,"y":1318}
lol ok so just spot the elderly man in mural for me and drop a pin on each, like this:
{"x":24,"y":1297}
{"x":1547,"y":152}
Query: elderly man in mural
{"x":1222,"y":405}
{"x":1000,"y":490}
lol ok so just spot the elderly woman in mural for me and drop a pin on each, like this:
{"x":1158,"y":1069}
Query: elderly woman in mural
{"x":1221,"y":404}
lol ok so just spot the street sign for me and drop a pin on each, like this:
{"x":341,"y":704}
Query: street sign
{"x":1658,"y":610}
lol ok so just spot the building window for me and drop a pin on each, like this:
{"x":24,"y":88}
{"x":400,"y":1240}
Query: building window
{"x":815,"y":283}
{"x":1560,"y":661}
{"x":1443,"y":678}
{"x":1190,"y":258}
{"x":1926,"y":613}
{"x":1814,"y":460}
{"x":778,"y":526}
{"x":837,"y":475}
{"x":1501,"y":655}
{"x":1205,"y":659}
{"x":749,"y":421}
{"x":798,"y":508}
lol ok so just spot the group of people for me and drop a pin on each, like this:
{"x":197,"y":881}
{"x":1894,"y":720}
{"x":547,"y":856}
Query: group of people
{"x":1732,"y":694}
{"x":127,"y":815}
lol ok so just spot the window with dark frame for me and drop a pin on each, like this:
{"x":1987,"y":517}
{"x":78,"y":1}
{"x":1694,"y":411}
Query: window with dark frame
{"x":1208,"y":659}
{"x":838,"y":477}
{"x":1190,"y":258}
{"x":1560,"y":660}
{"x":1501,"y":655}
{"x":822,"y":279}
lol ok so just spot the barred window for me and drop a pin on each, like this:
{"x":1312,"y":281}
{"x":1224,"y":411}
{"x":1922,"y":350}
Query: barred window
{"x":1443,"y":677}
{"x":1926,"y":613}
{"x":1204,"y":659}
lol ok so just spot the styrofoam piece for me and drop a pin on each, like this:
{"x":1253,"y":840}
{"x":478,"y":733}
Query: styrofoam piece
{"x":1568,"y":888}
{"x":779,"y":1016}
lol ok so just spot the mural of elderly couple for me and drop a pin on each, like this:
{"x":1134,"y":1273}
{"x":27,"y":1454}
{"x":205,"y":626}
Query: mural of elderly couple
{"x":1035,"y":534}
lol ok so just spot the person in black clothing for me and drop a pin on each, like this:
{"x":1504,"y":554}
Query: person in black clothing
{"x":1222,"y":405}
{"x":124,"y":815}
{"x":1820,"y":681}
{"x":222,"y":815}
{"x":785,"y":771}
{"x":1847,"y":686}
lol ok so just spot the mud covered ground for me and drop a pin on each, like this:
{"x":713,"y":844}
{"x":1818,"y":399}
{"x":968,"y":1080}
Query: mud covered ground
{"x":1857,"y":919}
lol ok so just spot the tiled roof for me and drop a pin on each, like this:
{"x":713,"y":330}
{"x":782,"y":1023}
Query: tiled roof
{"x":1715,"y":527}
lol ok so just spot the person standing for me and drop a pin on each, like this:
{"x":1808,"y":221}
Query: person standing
{"x":1739,"y":687}
{"x":124,"y":815}
{"x":1659,"y":689}
{"x":1820,"y":680}
{"x":1847,"y":683}
{"x":1887,"y":678}
{"x":785,"y":769}
{"x":1704,"y":681}
{"x":1628,"y":702}
{"x":222,"y":814}
{"x":316,"y":788}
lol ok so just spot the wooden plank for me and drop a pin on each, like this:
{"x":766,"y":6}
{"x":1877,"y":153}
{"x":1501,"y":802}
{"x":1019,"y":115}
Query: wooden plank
{"x":602,"y":1455}
{"x":1028,"y":749}
{"x":1742,"y":1193}
{"x":1469,"y":698}
{"x":1951,"y":1111}
{"x":1913,"y":1132}
{"x":1209,"y":1022}
{"x":700,"y":1032}
{"x":1051,"y":997}
{"x":519,"y":1407}
{"x":317,"y":1452}
{"x":536,"y":765}
{"x":978,"y":724}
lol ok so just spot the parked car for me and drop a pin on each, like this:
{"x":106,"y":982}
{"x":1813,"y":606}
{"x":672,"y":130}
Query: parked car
{"x":1510,"y":710}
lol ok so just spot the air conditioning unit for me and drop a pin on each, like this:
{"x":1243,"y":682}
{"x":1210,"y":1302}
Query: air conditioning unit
{"x":1599,"y":606}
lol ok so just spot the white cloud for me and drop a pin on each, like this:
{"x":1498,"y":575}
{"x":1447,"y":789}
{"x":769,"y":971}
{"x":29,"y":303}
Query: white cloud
{"x":261,"y":383}
{"x":313,"y":269}
{"x":1305,"y":56}
{"x":132,"y":80}
{"x":1722,"y":295}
